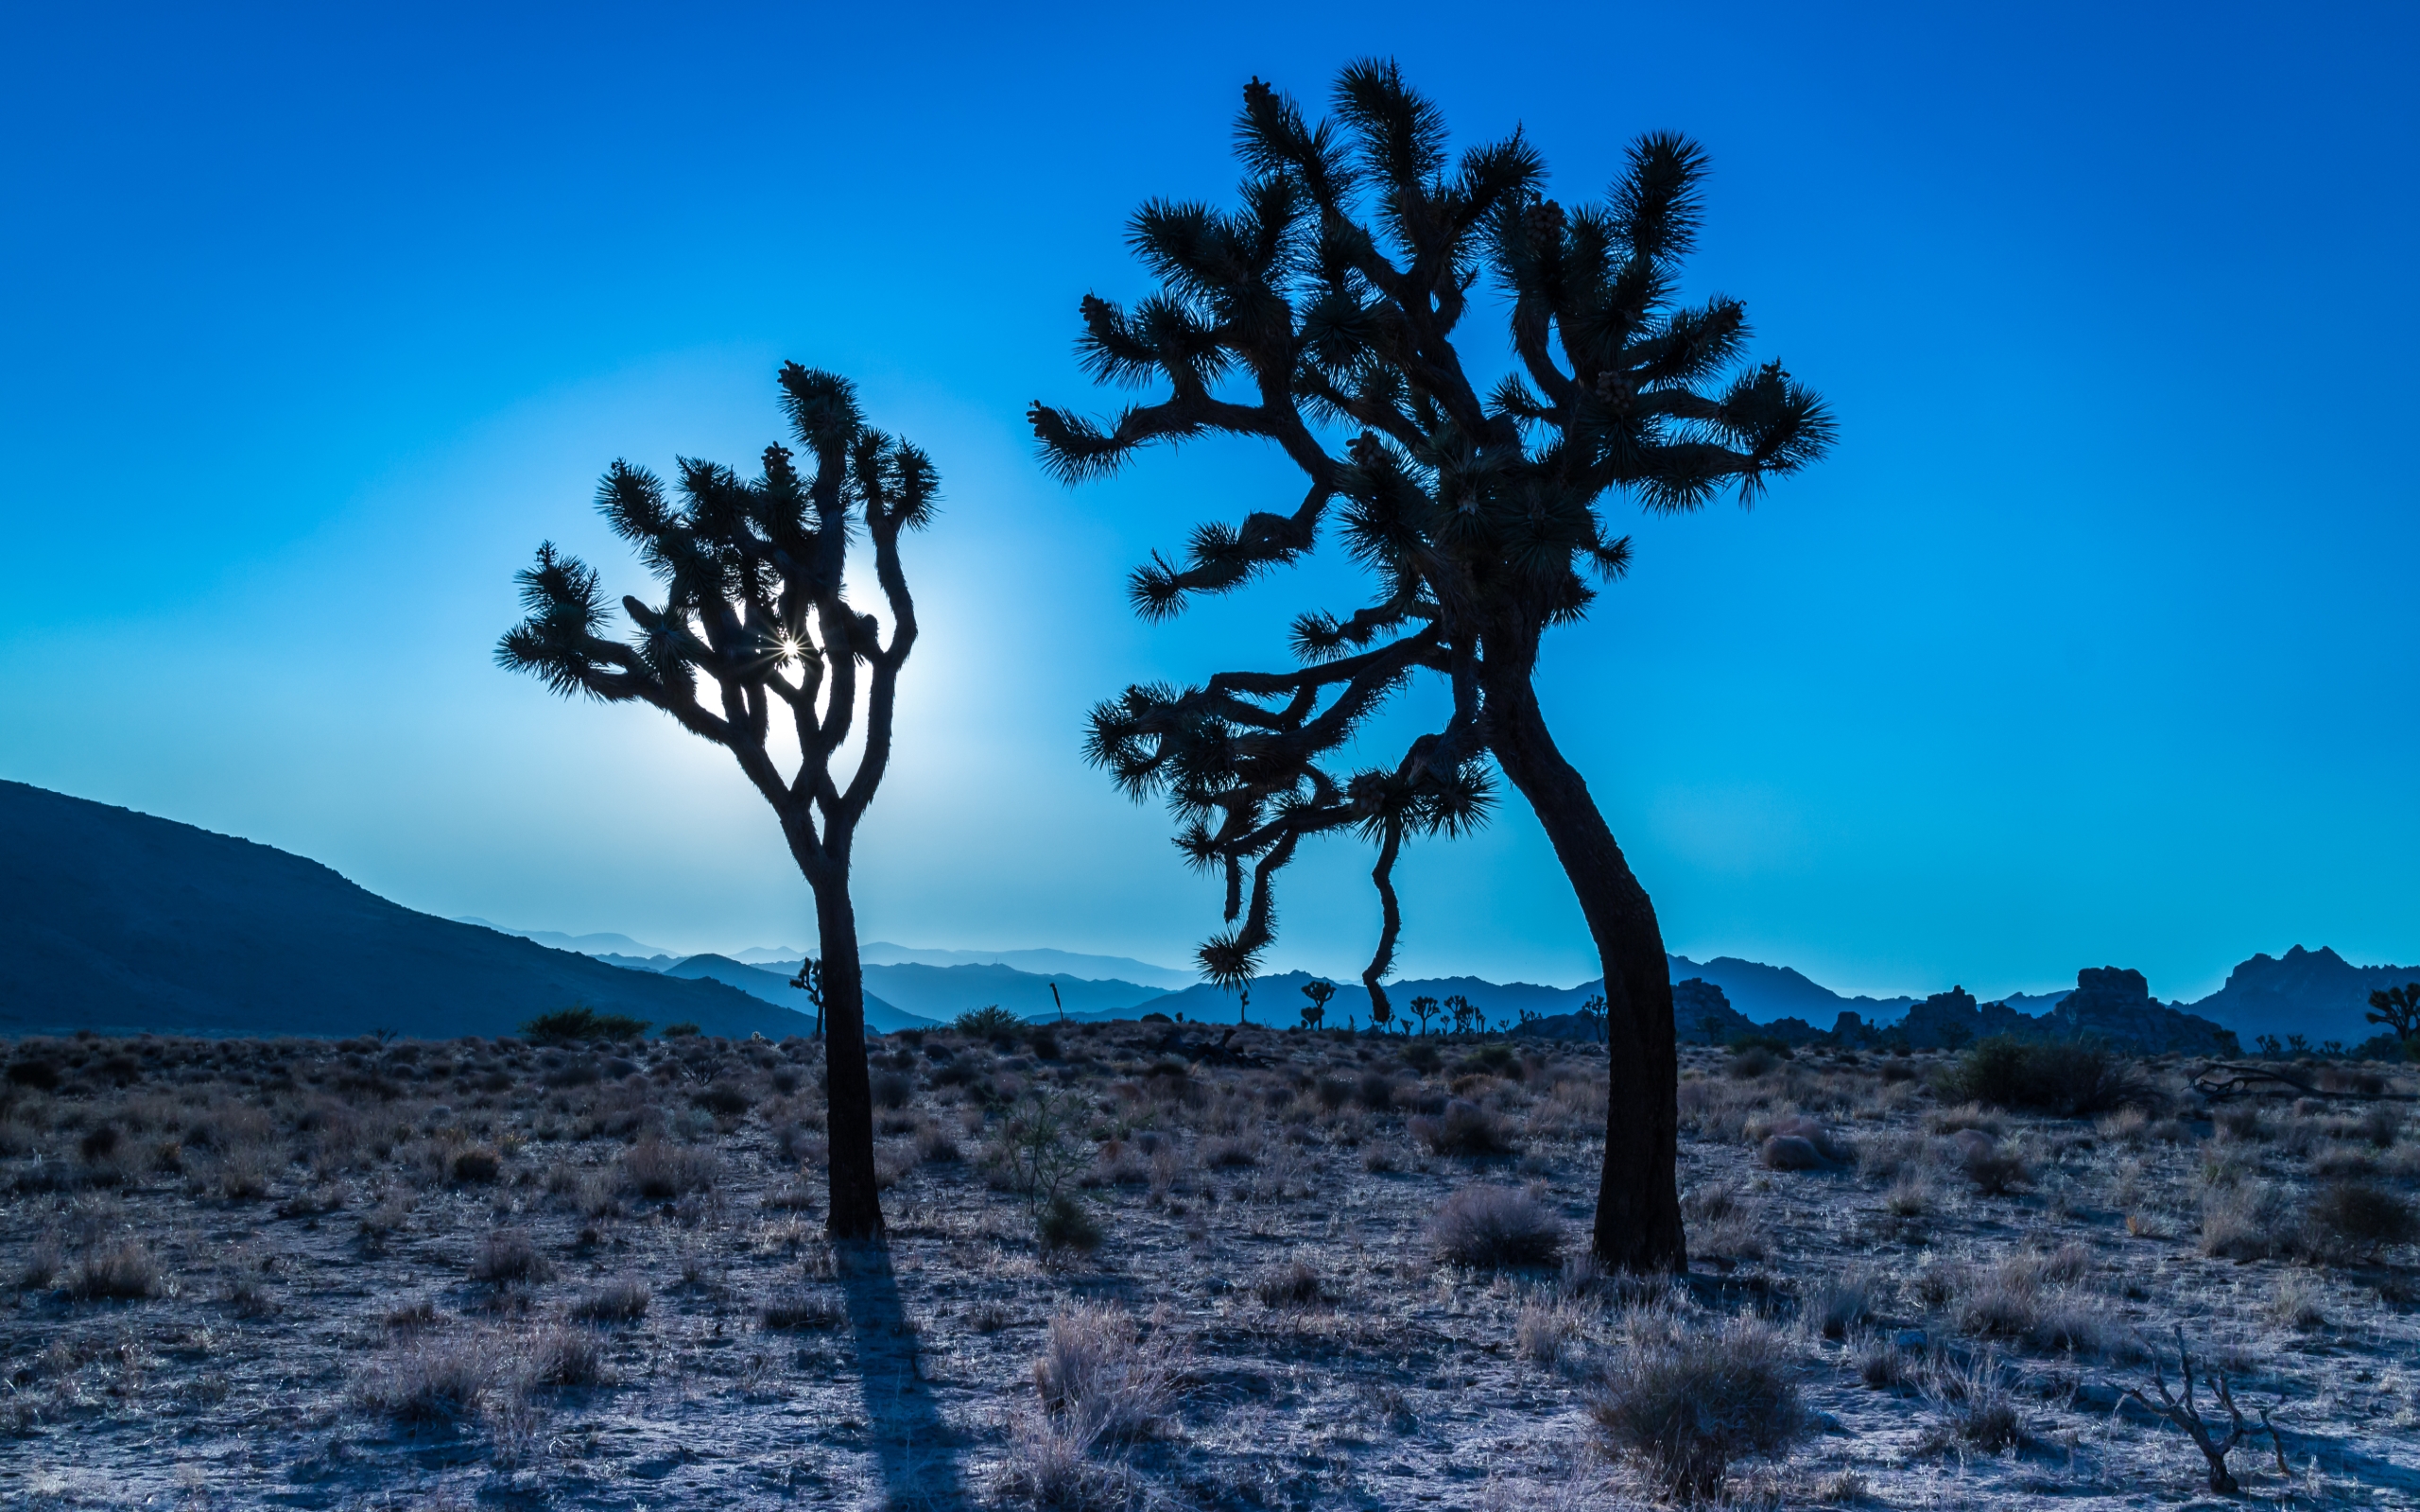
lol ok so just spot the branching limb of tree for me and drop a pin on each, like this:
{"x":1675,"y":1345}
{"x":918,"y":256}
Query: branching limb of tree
{"x":2185,"y":1413}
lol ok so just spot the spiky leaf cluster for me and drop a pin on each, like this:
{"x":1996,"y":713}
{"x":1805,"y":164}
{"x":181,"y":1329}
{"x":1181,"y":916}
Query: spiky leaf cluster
{"x":1324,"y":311}
{"x":753,"y":617}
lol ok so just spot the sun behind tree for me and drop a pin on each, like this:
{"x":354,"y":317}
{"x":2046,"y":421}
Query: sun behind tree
{"x":753,"y":607}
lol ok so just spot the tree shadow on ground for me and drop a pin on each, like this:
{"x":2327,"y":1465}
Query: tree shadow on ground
{"x":914,"y":1446}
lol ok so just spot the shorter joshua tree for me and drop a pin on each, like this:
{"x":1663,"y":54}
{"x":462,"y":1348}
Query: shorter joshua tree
{"x":1318,"y":993}
{"x":810,"y":981}
{"x":1460,"y":1006}
{"x":1425,"y":1008}
{"x":756,"y":615}
{"x":2398,"y":1009}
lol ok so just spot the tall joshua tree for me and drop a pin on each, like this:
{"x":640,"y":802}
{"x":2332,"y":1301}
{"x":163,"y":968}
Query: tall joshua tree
{"x":1325,"y":314}
{"x":754,"y":614}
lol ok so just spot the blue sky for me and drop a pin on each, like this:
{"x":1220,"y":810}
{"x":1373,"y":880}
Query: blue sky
{"x":2092,"y":643}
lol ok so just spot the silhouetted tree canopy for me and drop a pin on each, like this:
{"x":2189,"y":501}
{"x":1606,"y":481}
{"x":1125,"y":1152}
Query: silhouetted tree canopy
{"x":1330,"y":312}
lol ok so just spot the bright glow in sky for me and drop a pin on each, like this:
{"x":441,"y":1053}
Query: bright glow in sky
{"x":2092,"y":643}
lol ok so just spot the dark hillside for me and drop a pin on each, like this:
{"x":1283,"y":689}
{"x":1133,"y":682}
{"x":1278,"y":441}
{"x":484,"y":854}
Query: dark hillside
{"x":115,"y":920}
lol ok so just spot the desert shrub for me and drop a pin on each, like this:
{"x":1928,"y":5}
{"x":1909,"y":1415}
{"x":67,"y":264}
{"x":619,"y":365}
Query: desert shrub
{"x":581,"y":1023}
{"x":1995,"y":1170}
{"x":892,"y":1089}
{"x":1065,"y":1222}
{"x":799,"y":1311}
{"x":1229,"y":1151}
{"x":42,"y":1263}
{"x":1101,"y":1377}
{"x":990,"y":1022}
{"x":1751,"y":1061}
{"x":1292,"y":1285}
{"x":568,"y":1357}
{"x":1544,"y":1330}
{"x":1333,"y":1093}
{"x":428,"y":1380}
{"x":2349,"y":1219}
{"x":41,"y":1075}
{"x":1689,"y":1406}
{"x":680,"y":1031}
{"x":1376,"y":1090}
{"x":1835,"y":1304}
{"x":2295,"y":1303}
{"x":617,"y":1301}
{"x":1977,"y":1403}
{"x":1465,"y":1129}
{"x":1491,"y":1228}
{"x":658,"y":1170}
{"x":1420,"y":1057}
{"x":2243,"y":1222}
{"x":721,"y":1098}
{"x":475,"y":1164}
{"x":2074,"y":1079}
{"x":507,"y":1255}
{"x":120,"y":1272}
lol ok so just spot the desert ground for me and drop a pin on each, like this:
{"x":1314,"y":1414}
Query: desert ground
{"x":1165,"y":1265}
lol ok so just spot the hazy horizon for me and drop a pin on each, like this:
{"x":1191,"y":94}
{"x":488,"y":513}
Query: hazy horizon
{"x":2090,"y":645}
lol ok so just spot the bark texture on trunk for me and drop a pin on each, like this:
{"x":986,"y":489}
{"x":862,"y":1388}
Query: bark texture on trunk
{"x":1638,"y":1203}
{"x":857,"y":1207}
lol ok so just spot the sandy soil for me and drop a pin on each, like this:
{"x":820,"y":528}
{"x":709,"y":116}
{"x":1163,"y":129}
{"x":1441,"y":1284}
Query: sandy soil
{"x":304,"y":1274}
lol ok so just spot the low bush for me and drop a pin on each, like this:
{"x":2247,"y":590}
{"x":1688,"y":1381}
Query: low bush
{"x":580,"y":1023}
{"x":428,"y":1380}
{"x":658,"y":1170}
{"x":119,"y":1272}
{"x":799,"y":1311}
{"x":2357,"y":1220}
{"x":507,"y":1255}
{"x":1690,"y":1406}
{"x":1496,"y":1228}
{"x":1065,"y":1222}
{"x":2071,"y":1078}
{"x":990,"y":1022}
{"x":1100,"y":1378}
{"x":1465,"y":1129}
{"x":1292,"y":1285}
{"x":618,"y":1301}
{"x":569,"y":1357}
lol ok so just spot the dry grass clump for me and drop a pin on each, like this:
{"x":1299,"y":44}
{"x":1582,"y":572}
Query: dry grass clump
{"x":568,"y":1357}
{"x":1292,"y":1285}
{"x":1490,"y":1228}
{"x":658,"y":1170}
{"x":509,"y":1255}
{"x":429,"y":1380}
{"x":799,"y":1311}
{"x":1546,"y":1330}
{"x":1100,"y":1379}
{"x":1691,"y":1405}
{"x":122,"y":1271}
{"x":1463,"y":1128}
{"x":625,"y":1300}
{"x":2357,"y":1220}
{"x":1977,"y":1405}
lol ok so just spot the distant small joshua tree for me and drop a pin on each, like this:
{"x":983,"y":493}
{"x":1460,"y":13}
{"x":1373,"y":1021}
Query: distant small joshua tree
{"x":2398,"y":1009}
{"x":1423,"y":1008}
{"x":1318,"y":993}
{"x":1460,"y":1006}
{"x":756,"y":616}
{"x":810,"y":981}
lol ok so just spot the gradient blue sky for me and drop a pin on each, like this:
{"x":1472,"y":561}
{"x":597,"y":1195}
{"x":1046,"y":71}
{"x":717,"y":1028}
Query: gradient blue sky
{"x":2094,"y":642}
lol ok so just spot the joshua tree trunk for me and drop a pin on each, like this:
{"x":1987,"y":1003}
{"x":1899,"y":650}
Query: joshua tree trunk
{"x":857,"y":1207}
{"x":1638,"y":1204}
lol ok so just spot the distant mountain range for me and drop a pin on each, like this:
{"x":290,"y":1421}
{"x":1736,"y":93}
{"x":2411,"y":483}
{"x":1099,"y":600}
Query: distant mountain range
{"x":120,"y":923}
{"x":116,"y":920}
